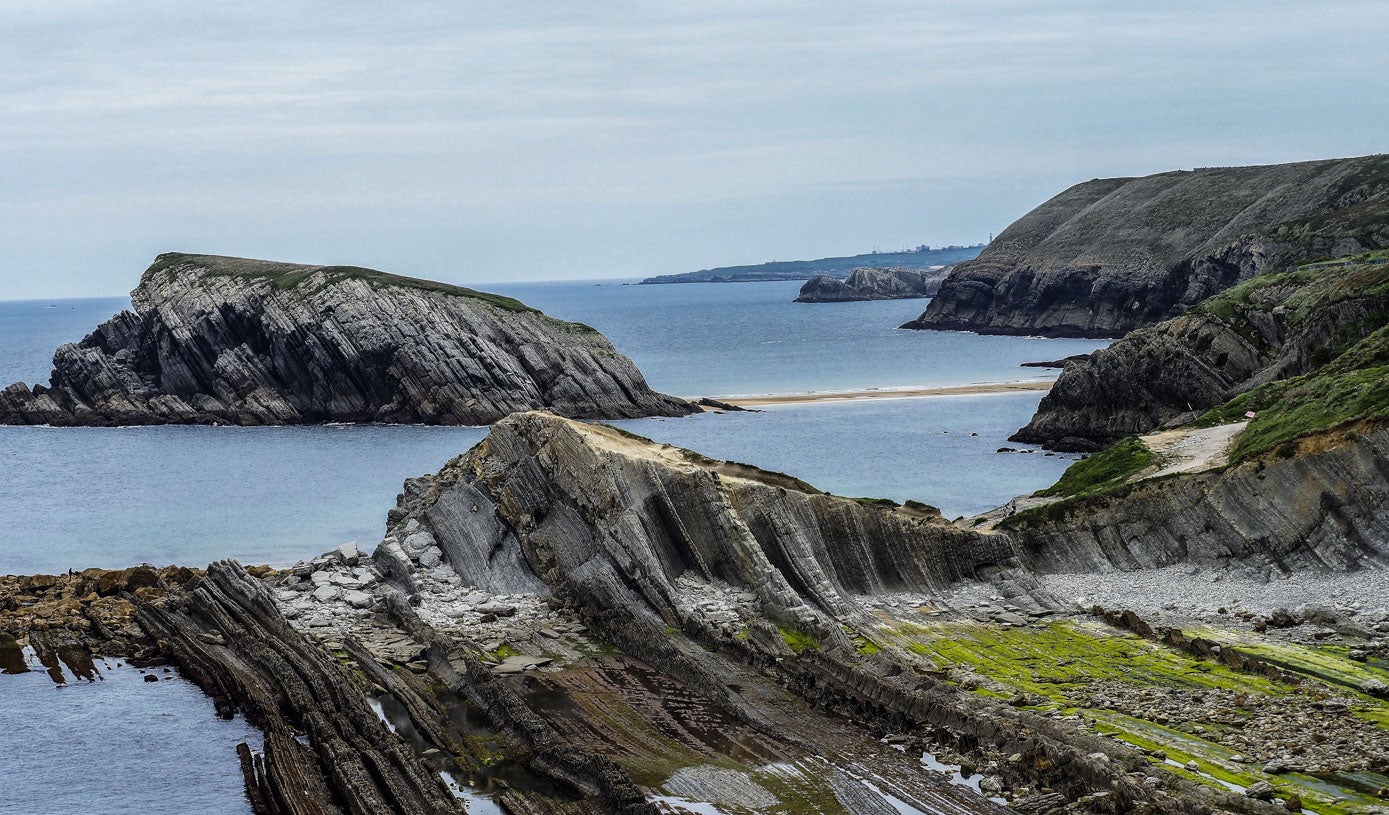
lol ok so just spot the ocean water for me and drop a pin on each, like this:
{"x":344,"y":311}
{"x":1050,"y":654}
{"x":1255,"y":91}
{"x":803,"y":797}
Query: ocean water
{"x":79,"y":497}
{"x":117,"y":745}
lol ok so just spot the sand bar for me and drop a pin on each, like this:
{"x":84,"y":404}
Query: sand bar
{"x":904,"y":393}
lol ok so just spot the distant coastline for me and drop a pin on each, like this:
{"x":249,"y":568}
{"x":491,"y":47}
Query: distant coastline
{"x":922,"y":257}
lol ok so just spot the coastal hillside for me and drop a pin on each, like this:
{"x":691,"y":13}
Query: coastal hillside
{"x":1111,"y":255}
{"x":873,"y":283}
{"x":1274,"y":327}
{"x":838,"y":267}
{"x":220,"y":340}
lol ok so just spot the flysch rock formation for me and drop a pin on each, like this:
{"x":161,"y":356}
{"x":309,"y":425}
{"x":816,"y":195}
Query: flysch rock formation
{"x":1324,"y":507}
{"x":873,"y":283}
{"x":628,"y":627}
{"x":1110,"y":255}
{"x":1269,"y":329}
{"x":218,"y":340}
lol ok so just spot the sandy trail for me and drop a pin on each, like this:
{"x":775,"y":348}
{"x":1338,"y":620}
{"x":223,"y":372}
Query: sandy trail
{"x":909,"y":393}
{"x":1191,"y":450}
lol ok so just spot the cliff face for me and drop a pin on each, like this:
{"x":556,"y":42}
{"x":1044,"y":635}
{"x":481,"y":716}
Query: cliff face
{"x":1268,"y":329}
{"x":624,"y":523}
{"x":888,"y":283}
{"x":1111,"y":255}
{"x":1326,"y":507}
{"x":235,"y":341}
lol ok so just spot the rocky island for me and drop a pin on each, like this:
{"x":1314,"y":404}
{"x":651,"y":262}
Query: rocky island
{"x":221,"y":340}
{"x":873,"y":283}
{"x":1110,"y":255}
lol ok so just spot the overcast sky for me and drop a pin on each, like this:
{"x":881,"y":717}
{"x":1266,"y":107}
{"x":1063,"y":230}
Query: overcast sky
{"x":477,"y":142}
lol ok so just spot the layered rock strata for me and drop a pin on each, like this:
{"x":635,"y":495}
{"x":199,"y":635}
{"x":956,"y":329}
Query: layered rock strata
{"x":1324,"y":507}
{"x":1269,"y":329}
{"x":1110,"y":255}
{"x":217,"y":340}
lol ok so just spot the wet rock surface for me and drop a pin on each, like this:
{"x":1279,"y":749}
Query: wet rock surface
{"x":216,"y":340}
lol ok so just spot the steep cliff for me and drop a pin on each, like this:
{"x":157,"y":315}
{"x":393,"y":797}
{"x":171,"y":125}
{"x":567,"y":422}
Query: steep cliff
{"x":1268,"y":329}
{"x":1111,"y":255}
{"x":236,"y":341}
{"x":877,"y":283}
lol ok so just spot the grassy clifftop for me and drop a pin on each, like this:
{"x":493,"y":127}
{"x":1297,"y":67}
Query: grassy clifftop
{"x":293,"y":275}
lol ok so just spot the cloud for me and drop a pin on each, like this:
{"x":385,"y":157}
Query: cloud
{"x":560,"y":127}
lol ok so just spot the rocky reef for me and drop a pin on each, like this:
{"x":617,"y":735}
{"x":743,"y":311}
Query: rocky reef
{"x":1110,"y":255}
{"x":873,"y":283}
{"x":572,"y":619}
{"x":218,"y":340}
{"x":1272,"y":328}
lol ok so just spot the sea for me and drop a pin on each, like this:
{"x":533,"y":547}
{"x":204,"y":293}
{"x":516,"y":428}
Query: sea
{"x":112,"y":497}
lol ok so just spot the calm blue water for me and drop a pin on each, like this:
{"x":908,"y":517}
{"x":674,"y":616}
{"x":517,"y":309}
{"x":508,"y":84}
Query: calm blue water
{"x":117,"y":745}
{"x":107,"y":497}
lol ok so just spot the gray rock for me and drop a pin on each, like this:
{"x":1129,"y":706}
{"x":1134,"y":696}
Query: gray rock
{"x":1260,"y":791}
{"x":359,"y":599}
{"x":349,"y":553}
{"x":236,"y":341}
{"x":327,"y":592}
{"x":431,"y":557}
{"x":873,"y":283}
{"x":416,"y":543}
{"x":497,"y":609}
{"x":1376,"y":688}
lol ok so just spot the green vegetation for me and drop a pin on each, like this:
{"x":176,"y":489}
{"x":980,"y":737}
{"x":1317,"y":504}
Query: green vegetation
{"x":1352,"y":389}
{"x":502,"y":653}
{"x":1060,"y":666}
{"x":292,"y":275}
{"x":799,"y":641}
{"x":1104,"y":470}
{"x":882,"y":503}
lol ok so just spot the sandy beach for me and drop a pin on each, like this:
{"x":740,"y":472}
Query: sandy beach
{"x":906,"y":393}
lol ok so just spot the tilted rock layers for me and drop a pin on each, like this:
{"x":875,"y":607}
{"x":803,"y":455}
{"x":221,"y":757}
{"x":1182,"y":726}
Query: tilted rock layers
{"x":617,"y":521}
{"x":1111,"y":255}
{"x":247,"y":342}
{"x":1325,"y":507}
{"x":1269,"y":329}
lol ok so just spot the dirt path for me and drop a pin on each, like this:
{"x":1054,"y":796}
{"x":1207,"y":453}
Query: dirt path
{"x":1192,"y":450}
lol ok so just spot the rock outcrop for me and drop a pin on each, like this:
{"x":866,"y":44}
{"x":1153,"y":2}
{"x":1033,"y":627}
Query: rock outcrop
{"x":876,"y":283}
{"x":1323,"y":507}
{"x":1111,"y":255}
{"x":247,"y":342}
{"x":1268,"y":329}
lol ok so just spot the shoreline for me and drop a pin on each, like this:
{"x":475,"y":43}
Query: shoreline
{"x":904,"y":393}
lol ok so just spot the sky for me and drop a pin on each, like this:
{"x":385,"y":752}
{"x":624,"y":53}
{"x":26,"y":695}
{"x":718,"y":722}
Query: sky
{"x":479,"y":142}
